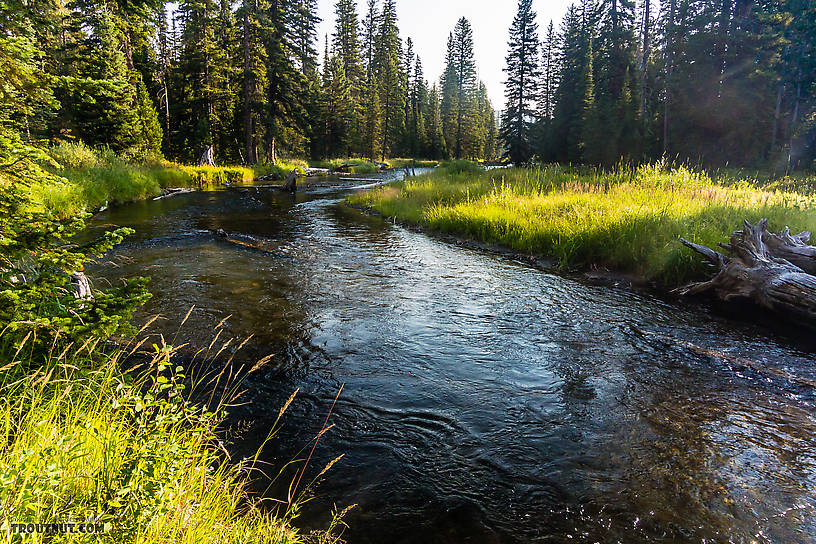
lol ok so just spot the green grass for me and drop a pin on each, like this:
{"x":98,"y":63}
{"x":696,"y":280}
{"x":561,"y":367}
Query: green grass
{"x":363,"y":166}
{"x":627,"y":219}
{"x":92,"y":178}
{"x":81,"y":440}
{"x":416,"y":163}
{"x":358,"y":166}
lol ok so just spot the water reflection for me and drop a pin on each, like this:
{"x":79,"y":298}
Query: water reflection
{"x":484,"y":401}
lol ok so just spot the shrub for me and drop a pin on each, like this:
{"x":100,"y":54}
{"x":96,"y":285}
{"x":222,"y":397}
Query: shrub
{"x":74,"y":155}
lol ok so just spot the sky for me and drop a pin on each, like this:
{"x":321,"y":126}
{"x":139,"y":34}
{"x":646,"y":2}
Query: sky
{"x":428,"y":23}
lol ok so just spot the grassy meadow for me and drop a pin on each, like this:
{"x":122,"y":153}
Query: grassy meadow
{"x":627,"y":219}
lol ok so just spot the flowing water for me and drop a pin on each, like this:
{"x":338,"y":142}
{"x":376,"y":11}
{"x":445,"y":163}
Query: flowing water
{"x":484,"y":400}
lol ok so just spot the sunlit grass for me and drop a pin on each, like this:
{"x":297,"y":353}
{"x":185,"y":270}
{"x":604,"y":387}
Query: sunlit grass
{"x":400,"y":163}
{"x":80,"y":440}
{"x":627,"y":219}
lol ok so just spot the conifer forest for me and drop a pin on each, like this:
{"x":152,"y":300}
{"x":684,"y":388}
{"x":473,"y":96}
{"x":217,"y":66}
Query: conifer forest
{"x":719,"y":82}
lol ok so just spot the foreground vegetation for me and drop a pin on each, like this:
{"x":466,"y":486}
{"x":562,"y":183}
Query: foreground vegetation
{"x":627,"y":219}
{"x":85,"y":442}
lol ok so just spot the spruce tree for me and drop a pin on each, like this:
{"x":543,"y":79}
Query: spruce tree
{"x":449,"y":105}
{"x":390,"y":79}
{"x":465,"y":84}
{"x":521,"y":84}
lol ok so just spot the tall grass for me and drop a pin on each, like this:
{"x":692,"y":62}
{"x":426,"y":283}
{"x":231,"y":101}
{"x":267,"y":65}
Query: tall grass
{"x":628,"y":219}
{"x":96,"y":177}
{"x":81,"y":440}
{"x":411,"y":163}
{"x":352,"y":166}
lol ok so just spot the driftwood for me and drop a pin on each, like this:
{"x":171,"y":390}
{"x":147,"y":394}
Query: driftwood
{"x":290,"y":186}
{"x":248,"y":241}
{"x":793,"y":248}
{"x":751,"y":271}
{"x":167,"y":193}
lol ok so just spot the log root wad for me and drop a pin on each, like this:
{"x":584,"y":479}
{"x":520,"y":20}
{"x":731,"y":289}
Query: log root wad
{"x":774,"y":270}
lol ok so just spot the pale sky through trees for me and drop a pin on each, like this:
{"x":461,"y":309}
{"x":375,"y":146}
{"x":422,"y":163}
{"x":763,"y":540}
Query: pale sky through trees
{"x":428,"y":23}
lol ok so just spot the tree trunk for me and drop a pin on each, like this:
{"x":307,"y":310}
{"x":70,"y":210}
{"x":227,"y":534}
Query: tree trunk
{"x":780,"y":91}
{"x":752,"y":272}
{"x":669,"y":67}
{"x":793,"y":248}
{"x":207,"y":157}
{"x":644,"y":61}
{"x":82,"y":288}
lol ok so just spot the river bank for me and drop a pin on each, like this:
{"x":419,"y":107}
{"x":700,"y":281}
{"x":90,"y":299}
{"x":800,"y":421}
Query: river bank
{"x":87,"y":179}
{"x":627,"y":220}
{"x":129,"y":452}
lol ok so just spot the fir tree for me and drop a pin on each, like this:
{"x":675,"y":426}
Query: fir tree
{"x":390,"y":79}
{"x":521,"y":84}
{"x":465,"y":83}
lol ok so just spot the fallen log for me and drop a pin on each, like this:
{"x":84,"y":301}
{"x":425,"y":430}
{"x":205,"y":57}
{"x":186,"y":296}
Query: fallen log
{"x":752,"y":272}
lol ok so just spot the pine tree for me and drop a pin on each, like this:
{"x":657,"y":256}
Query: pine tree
{"x":338,"y":109}
{"x":465,"y":84}
{"x":570,"y":95}
{"x":549,"y":84}
{"x":346,"y":43}
{"x":303,"y":32}
{"x":253,"y":75}
{"x":390,"y":79}
{"x":449,"y":105}
{"x":521,"y":84}
{"x":284,"y":106}
{"x":437,"y":147}
{"x":372,"y":121}
{"x":416,"y":129}
{"x":194,"y":77}
{"x":592,"y":136}
{"x":224,"y":77}
{"x":102,"y":100}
